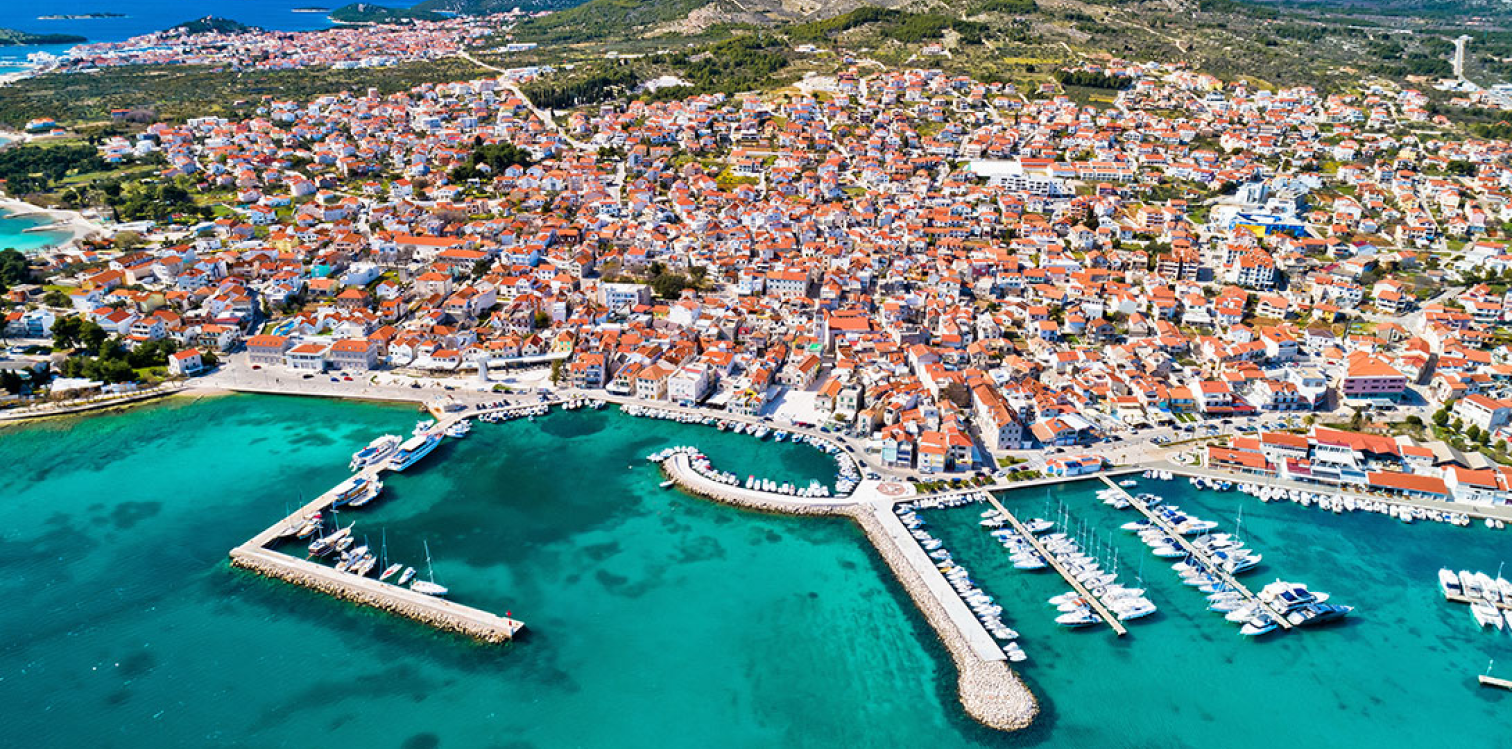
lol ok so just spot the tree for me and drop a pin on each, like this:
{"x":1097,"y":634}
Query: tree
{"x":669,"y":285}
{"x":1473,"y":433}
{"x":542,"y":320}
{"x":56,"y":298}
{"x":1441,"y":417}
{"x":558,"y":369}
{"x":65,"y":331}
{"x":14,"y":268}
{"x":92,"y":335}
{"x":1458,"y":426}
{"x":1501,"y":446}
{"x":1414,"y":420}
{"x":128,"y":240}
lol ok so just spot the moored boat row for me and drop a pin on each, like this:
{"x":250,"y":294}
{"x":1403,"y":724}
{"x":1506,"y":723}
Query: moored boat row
{"x":983,"y":607}
{"x":1344,"y":503}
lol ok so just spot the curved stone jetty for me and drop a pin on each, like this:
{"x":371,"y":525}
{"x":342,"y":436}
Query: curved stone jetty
{"x":990,"y":691}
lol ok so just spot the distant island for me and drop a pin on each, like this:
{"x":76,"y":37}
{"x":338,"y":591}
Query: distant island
{"x":369,"y":13}
{"x":11,"y":37}
{"x":79,"y":16}
{"x":310,"y":10}
{"x":212,"y":25}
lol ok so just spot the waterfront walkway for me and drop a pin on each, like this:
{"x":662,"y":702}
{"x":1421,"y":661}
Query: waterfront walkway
{"x":1497,"y":512}
{"x":94,"y":403}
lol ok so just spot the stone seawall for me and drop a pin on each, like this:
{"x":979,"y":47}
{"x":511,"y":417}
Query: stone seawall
{"x":365,"y":591}
{"x":990,"y":691}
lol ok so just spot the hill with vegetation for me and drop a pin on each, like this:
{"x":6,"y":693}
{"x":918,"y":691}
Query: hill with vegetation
{"x":12,"y":37}
{"x":211,"y":25}
{"x":369,"y":13}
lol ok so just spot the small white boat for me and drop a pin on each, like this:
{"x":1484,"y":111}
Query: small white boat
{"x":427,"y":587}
{"x":1258,"y":626}
{"x":1449,"y":583}
{"x":1077,"y":619}
{"x":1487,"y":615}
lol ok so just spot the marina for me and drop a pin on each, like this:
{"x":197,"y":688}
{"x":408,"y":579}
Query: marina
{"x":1095,"y":602}
{"x":600,"y":627}
{"x":1209,"y":562}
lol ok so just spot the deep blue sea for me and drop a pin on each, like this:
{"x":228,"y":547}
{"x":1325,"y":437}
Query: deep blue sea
{"x":146,"y":16}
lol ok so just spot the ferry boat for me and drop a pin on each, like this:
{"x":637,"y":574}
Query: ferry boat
{"x":375,"y":452}
{"x":413,"y":450}
{"x":354,"y":488}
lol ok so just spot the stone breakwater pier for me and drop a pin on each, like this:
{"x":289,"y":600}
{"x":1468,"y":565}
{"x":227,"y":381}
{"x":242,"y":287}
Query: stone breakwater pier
{"x":365,"y":591}
{"x":255,"y":556}
{"x":989,"y":690}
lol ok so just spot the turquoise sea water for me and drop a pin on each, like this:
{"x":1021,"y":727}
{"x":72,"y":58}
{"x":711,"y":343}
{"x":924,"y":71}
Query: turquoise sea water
{"x":1399,"y":672}
{"x":13,"y":232}
{"x":655,"y":619}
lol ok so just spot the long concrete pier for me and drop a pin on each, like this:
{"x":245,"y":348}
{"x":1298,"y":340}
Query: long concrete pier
{"x":1196,"y":553}
{"x":1108,"y":617}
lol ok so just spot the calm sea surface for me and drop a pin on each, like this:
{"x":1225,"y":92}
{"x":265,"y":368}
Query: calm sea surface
{"x":655,"y":619}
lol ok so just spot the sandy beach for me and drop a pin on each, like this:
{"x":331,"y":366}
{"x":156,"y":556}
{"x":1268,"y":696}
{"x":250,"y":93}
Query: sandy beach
{"x":73,"y":222}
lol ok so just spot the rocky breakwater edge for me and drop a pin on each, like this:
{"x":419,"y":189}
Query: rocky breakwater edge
{"x":433,"y":612}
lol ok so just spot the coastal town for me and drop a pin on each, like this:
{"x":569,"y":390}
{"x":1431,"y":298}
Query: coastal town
{"x":956,"y":276}
{"x":1046,"y":333}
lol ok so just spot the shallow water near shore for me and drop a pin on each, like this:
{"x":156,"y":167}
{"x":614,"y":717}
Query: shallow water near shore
{"x":14,"y":234}
{"x":655,"y":619}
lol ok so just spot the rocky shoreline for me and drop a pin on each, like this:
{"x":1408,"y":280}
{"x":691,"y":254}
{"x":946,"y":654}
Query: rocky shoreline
{"x":990,"y":691}
{"x":433,"y":612}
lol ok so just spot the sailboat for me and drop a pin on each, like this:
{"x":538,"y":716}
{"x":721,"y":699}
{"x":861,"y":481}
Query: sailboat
{"x":428,"y":587}
{"x":388,"y":569}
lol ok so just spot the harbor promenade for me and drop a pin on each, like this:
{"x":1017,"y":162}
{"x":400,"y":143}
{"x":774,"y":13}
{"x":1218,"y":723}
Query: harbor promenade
{"x":94,"y":403}
{"x":1479,"y":512}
